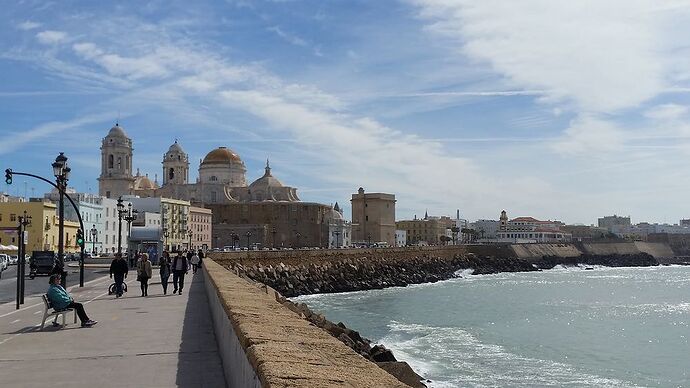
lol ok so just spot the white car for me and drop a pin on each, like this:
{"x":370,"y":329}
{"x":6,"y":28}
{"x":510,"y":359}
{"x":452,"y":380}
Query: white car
{"x":4,"y":261}
{"x":14,"y":259}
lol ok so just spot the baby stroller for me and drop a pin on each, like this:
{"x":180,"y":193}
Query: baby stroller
{"x":111,"y":289}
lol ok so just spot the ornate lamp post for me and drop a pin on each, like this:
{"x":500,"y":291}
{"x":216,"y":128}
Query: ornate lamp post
{"x":21,"y":254}
{"x":94,"y":235}
{"x":249,"y":235}
{"x":120,"y":213}
{"x":298,"y":235}
{"x":273,"y":232}
{"x":129,"y":217}
{"x":166,"y":234}
{"x":190,"y":233}
{"x":61,"y":172}
{"x":369,"y":239}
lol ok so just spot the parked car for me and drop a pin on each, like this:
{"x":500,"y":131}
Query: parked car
{"x":14,"y":259}
{"x":42,"y":262}
{"x":4,"y":261}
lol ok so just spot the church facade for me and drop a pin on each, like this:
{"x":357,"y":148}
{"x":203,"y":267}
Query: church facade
{"x":264,"y":213}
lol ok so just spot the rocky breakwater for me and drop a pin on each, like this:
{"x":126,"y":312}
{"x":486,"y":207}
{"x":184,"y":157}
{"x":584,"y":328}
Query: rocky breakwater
{"x":355,"y":274}
{"x":616,"y":260}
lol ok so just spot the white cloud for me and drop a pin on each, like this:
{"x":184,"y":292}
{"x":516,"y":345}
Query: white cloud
{"x":28,"y":25}
{"x":604,"y":56}
{"x":291,"y":38}
{"x":51,"y":37}
{"x":667,"y":112}
{"x":590,"y":136}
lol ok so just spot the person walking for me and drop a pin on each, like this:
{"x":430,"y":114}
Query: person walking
{"x":144,"y":273}
{"x":201,"y":256}
{"x":61,"y":299}
{"x":165,"y":270}
{"x":180,"y":267}
{"x":119,"y":268}
{"x":195,"y":261}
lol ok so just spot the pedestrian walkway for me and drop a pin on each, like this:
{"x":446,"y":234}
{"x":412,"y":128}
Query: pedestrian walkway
{"x":154,"y":341}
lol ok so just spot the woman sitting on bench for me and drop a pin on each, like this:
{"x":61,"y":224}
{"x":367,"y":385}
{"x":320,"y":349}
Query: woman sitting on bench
{"x":60,"y":299}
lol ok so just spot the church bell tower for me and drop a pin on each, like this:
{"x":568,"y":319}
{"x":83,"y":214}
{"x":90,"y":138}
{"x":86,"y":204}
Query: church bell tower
{"x":175,"y":166}
{"x":116,"y":164}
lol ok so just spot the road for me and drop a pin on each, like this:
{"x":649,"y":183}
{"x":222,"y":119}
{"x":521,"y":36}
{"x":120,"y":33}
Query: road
{"x":39,"y":285}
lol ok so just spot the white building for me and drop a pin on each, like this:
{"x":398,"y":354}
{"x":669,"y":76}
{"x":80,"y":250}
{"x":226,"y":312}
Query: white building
{"x":400,"y":238}
{"x":90,"y":208}
{"x":530,"y":230}
{"x":110,"y":226}
{"x":339,"y":229}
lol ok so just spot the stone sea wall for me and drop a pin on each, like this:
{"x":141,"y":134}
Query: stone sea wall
{"x":278,"y":346}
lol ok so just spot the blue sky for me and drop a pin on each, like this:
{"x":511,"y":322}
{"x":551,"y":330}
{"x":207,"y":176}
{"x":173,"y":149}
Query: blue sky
{"x":552,"y":109}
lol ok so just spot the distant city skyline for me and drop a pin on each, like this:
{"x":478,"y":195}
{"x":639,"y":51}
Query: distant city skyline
{"x":555,"y":110}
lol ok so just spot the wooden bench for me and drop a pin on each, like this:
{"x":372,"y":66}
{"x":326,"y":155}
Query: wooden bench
{"x":56,"y":313}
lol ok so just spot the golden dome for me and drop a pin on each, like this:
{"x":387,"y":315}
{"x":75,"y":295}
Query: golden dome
{"x":222,"y":155}
{"x":143,"y":183}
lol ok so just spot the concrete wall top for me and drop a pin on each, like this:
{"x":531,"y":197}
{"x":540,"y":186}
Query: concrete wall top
{"x":626,"y":248}
{"x":526,"y":251}
{"x":658,"y":250}
{"x":284,"y":349}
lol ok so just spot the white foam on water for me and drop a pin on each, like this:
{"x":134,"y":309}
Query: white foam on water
{"x":452,"y":357}
{"x":464,"y":273}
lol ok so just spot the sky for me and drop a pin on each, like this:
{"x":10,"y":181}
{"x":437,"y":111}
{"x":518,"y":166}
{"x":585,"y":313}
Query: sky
{"x":552,"y":109}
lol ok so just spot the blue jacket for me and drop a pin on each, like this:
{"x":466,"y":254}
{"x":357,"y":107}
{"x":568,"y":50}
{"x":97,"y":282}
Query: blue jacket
{"x":58,"y":296}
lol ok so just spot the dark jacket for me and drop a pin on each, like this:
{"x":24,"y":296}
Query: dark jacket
{"x":185,"y":263}
{"x":119,"y":267}
{"x":165,"y":267}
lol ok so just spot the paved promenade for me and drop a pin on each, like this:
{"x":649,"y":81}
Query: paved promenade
{"x":154,"y":341}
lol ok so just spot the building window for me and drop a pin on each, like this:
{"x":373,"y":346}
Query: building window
{"x":13,"y":217}
{"x":119,"y":163}
{"x":110,"y":161}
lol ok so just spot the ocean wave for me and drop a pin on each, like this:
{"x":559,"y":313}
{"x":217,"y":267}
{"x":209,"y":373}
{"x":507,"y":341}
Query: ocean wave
{"x":451,"y":357}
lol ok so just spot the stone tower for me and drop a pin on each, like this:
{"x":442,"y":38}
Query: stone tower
{"x":503,"y":226}
{"x":116,"y":164}
{"x":175,"y":166}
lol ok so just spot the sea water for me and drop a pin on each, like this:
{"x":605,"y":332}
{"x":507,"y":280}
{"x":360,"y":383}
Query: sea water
{"x":566,"y":327}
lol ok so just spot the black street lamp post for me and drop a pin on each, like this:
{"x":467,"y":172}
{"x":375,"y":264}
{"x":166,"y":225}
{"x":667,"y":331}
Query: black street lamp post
{"x":94,"y":235}
{"x":166,"y":234}
{"x":130,"y":216}
{"x":273,"y":232}
{"x":120,"y":213}
{"x":369,"y":239}
{"x":249,"y":235}
{"x":21,"y":254}
{"x":61,"y":172}
{"x":298,"y":235}
{"x":190,"y":233}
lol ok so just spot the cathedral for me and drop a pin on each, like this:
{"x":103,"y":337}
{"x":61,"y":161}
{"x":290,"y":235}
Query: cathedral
{"x":264,"y":213}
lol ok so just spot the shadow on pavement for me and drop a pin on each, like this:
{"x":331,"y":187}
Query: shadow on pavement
{"x":199,"y":363}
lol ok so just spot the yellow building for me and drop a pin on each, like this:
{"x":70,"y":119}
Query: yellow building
{"x":428,"y":230}
{"x":43,"y":231}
